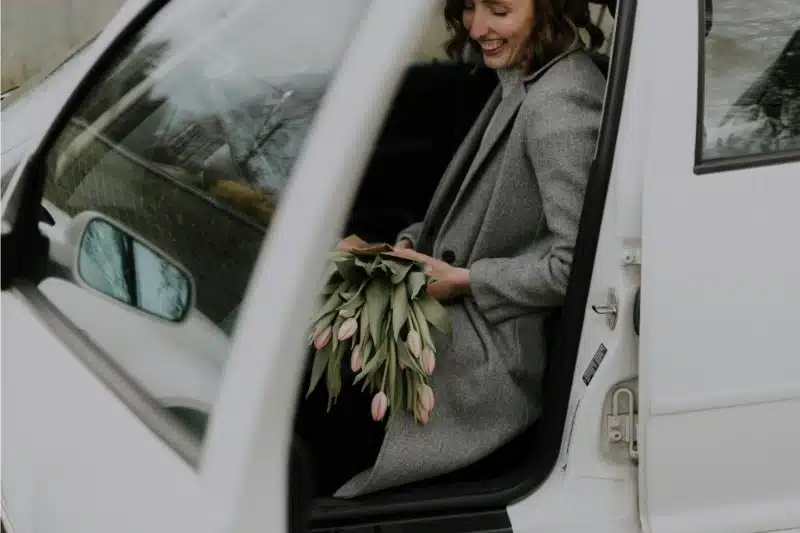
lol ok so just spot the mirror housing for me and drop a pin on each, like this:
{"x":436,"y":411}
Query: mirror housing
{"x":119,"y":264}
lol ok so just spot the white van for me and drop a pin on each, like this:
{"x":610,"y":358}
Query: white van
{"x":155,"y":304}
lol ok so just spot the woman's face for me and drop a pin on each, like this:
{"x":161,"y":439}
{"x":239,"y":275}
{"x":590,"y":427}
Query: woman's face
{"x":501,"y":28}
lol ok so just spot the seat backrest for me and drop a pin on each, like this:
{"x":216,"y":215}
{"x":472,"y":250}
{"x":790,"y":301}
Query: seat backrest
{"x":610,"y":4}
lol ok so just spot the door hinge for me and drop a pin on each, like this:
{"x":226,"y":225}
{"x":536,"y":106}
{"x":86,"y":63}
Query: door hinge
{"x":622,"y":425}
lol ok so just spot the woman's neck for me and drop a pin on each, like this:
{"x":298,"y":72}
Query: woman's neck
{"x":510,"y":78}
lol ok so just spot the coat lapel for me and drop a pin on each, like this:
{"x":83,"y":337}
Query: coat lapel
{"x":502,"y":122}
{"x":465,"y":154}
{"x":505,"y":115}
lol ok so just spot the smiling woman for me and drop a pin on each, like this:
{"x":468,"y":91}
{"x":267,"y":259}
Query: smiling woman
{"x":499,"y":237}
{"x":506,"y":32}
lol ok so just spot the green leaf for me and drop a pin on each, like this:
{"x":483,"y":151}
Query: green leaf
{"x":367,"y":350}
{"x":378,"y":266}
{"x":435,"y":313}
{"x":413,"y":391}
{"x":321,"y":324}
{"x":367,"y":383}
{"x":400,"y":276}
{"x":422,"y":324}
{"x":363,"y":328}
{"x":398,"y":268}
{"x":414,"y":283}
{"x":407,"y":384}
{"x":330,"y":288}
{"x":334,"y":374}
{"x":404,"y":356}
{"x":399,"y":309}
{"x":330,"y":272}
{"x":392,"y":362}
{"x":353,"y":304}
{"x":380,"y":356}
{"x":367,"y":264}
{"x":378,"y":294}
{"x":330,"y":306}
{"x":337,"y":323}
{"x":317,"y":368}
{"x":348,"y":289}
{"x":362,"y":287}
{"x":339,"y":256}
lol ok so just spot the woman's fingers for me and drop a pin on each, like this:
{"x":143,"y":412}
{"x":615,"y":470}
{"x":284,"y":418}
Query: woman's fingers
{"x":412,"y":254}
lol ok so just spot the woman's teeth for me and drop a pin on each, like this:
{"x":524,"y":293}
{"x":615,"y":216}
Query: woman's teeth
{"x":492,"y":46}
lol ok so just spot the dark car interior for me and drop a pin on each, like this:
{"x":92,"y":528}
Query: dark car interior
{"x":433,"y":111}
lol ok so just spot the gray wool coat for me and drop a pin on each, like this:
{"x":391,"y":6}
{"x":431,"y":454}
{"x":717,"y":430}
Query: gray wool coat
{"x":507,"y":208}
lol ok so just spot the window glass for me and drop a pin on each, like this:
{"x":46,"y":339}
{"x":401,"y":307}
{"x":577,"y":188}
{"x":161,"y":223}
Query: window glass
{"x":184,"y":147}
{"x":752,"y":79}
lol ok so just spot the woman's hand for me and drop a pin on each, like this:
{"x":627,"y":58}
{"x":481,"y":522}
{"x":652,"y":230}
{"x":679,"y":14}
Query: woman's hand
{"x":403,"y":244}
{"x":451,"y":282}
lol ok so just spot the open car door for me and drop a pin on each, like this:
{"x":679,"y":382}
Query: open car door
{"x":719,"y":372}
{"x":118,"y":420}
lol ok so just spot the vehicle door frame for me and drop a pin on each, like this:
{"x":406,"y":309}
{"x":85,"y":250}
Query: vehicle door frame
{"x":246,"y":451}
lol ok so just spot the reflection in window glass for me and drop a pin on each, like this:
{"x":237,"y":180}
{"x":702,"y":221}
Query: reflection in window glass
{"x":752,"y":79}
{"x":189,"y":140}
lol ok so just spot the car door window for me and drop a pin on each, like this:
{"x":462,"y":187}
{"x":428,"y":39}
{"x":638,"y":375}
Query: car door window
{"x":751,"y":79}
{"x":187,"y":141}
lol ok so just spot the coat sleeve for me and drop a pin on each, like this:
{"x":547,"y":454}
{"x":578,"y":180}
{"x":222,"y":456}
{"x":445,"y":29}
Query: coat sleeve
{"x":411,"y":233}
{"x":561,"y":130}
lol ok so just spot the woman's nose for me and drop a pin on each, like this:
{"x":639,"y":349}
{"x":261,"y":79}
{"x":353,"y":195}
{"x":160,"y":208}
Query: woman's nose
{"x":478,"y":27}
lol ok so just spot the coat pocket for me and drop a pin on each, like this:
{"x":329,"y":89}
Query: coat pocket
{"x":522,"y":346}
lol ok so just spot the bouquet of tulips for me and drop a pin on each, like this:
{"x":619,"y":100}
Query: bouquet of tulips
{"x":376,"y":315}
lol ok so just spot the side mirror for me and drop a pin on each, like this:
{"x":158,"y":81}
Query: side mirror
{"x":122,"y":266}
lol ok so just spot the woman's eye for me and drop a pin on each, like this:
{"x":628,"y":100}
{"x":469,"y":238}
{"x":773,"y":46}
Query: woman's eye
{"x":499,"y":13}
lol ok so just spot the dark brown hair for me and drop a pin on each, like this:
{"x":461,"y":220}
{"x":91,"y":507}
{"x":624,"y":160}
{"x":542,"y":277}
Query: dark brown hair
{"x":554,"y":24}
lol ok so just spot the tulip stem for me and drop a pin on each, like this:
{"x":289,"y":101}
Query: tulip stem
{"x":385,"y":370}
{"x":413,"y":324}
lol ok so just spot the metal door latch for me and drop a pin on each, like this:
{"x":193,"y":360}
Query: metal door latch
{"x":609,"y":309}
{"x":622,"y":427}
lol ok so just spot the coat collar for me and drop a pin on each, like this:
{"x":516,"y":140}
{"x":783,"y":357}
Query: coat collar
{"x":577,"y":44}
{"x":509,"y":106}
{"x":474,"y":150}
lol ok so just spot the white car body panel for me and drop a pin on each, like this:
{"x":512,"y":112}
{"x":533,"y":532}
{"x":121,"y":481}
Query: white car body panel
{"x":180,"y":363}
{"x":80,"y":460}
{"x":719,"y":382}
{"x":73,"y":446}
{"x":719,"y":372}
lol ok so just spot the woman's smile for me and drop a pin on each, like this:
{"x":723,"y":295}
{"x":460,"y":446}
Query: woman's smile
{"x":492,"y":47}
{"x":501,"y":28}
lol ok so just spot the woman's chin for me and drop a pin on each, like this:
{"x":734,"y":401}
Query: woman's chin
{"x":496,"y":61}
